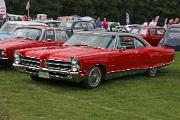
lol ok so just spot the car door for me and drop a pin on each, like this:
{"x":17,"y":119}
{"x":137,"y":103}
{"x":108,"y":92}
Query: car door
{"x":126,"y":54}
{"x":49,"y":38}
{"x":143,"y":59}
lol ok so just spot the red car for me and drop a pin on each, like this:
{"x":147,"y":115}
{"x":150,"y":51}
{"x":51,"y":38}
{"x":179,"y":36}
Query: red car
{"x":152,"y":35}
{"x":30,"y":37}
{"x":90,"y":57}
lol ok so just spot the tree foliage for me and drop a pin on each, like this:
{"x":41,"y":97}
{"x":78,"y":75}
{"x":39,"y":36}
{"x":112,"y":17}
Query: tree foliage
{"x":114,"y":10}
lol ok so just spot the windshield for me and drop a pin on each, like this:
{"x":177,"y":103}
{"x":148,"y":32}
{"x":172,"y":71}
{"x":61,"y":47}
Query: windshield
{"x":28,"y":33}
{"x":134,"y":30}
{"x":5,"y":36}
{"x":92,"y":40}
{"x":9,"y":28}
{"x":66,"y":24}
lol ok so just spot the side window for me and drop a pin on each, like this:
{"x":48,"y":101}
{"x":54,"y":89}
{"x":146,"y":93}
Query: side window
{"x":61,"y":35}
{"x":138,"y":43}
{"x":126,"y":42}
{"x":90,"y":25}
{"x":49,"y":35}
{"x":153,"y":32}
{"x":80,"y":25}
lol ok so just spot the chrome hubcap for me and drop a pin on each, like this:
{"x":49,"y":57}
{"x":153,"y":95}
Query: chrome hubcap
{"x":152,"y":72}
{"x":94,"y":77}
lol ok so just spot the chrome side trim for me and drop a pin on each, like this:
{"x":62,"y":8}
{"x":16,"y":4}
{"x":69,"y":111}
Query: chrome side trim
{"x":162,"y":65}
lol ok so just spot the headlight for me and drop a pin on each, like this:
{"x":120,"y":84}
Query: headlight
{"x":76,"y":66}
{"x":2,"y":53}
{"x":17,"y":58}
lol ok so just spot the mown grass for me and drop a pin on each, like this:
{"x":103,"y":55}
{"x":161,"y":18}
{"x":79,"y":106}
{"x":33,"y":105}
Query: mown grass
{"x":129,"y":98}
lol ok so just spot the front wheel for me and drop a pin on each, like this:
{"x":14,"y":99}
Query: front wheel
{"x":94,"y":78}
{"x":152,"y":72}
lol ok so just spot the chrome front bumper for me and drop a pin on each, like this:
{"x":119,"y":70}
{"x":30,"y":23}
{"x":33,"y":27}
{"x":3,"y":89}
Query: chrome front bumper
{"x":3,"y":59}
{"x":53,"y":74}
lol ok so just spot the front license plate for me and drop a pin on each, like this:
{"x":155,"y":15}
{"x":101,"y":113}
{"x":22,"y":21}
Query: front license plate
{"x":43,"y":74}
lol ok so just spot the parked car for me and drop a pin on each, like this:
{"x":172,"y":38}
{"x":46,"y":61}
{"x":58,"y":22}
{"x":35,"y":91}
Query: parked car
{"x":78,"y":26}
{"x":9,"y":27}
{"x":152,"y":35}
{"x":117,"y":29}
{"x":90,"y":57}
{"x":30,"y":37}
{"x":52,"y":23}
{"x":172,"y":37}
{"x":129,"y":27}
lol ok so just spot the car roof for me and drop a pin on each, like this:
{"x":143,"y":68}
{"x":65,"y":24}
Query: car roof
{"x":48,"y":21}
{"x":45,"y":27}
{"x":26,"y":23}
{"x":175,"y":25}
{"x":105,"y":33}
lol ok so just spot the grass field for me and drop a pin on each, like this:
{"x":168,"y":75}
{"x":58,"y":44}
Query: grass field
{"x":129,"y":98}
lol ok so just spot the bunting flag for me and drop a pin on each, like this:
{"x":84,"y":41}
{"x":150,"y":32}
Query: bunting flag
{"x":2,"y":7}
{"x":127,"y":18}
{"x":28,"y":5}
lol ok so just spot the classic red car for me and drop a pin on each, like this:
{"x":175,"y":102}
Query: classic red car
{"x":30,"y":37}
{"x":90,"y":57}
{"x":152,"y":35}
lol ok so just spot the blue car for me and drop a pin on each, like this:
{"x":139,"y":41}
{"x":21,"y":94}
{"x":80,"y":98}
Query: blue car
{"x":172,"y":37}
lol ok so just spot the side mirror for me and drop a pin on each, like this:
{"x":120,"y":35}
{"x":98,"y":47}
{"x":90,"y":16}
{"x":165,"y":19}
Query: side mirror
{"x":49,"y":40}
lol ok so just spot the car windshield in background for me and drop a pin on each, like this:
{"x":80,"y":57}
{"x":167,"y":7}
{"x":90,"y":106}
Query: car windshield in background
{"x":54,"y":24}
{"x":28,"y":33}
{"x":134,"y":30}
{"x":92,"y":40}
{"x":66,"y":24}
{"x":9,"y":28}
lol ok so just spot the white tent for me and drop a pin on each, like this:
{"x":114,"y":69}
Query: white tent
{"x":2,"y":7}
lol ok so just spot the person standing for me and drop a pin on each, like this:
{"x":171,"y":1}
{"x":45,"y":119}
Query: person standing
{"x":98,"y":23}
{"x":176,"y":21}
{"x":105,"y":24}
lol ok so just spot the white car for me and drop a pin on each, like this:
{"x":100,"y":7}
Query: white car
{"x":11,"y":26}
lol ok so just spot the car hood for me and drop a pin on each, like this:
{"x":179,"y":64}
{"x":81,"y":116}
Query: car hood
{"x":63,"y":52}
{"x":15,"y":43}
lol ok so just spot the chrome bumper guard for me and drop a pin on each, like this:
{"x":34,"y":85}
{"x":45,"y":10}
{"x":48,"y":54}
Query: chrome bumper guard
{"x":53,"y":74}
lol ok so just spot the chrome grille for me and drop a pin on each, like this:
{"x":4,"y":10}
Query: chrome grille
{"x":28,"y":61}
{"x":58,"y":65}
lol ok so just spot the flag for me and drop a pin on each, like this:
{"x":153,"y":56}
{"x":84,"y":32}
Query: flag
{"x":28,"y":5}
{"x":127,"y":18}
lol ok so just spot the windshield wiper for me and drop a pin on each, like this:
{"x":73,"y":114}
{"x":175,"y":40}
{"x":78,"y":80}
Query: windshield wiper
{"x":81,"y":45}
{"x":20,"y":37}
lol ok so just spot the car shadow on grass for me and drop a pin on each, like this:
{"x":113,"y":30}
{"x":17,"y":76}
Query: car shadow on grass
{"x":59,"y":84}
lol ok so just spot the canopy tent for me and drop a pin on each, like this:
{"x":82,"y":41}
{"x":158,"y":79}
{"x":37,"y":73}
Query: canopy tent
{"x":2,"y":8}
